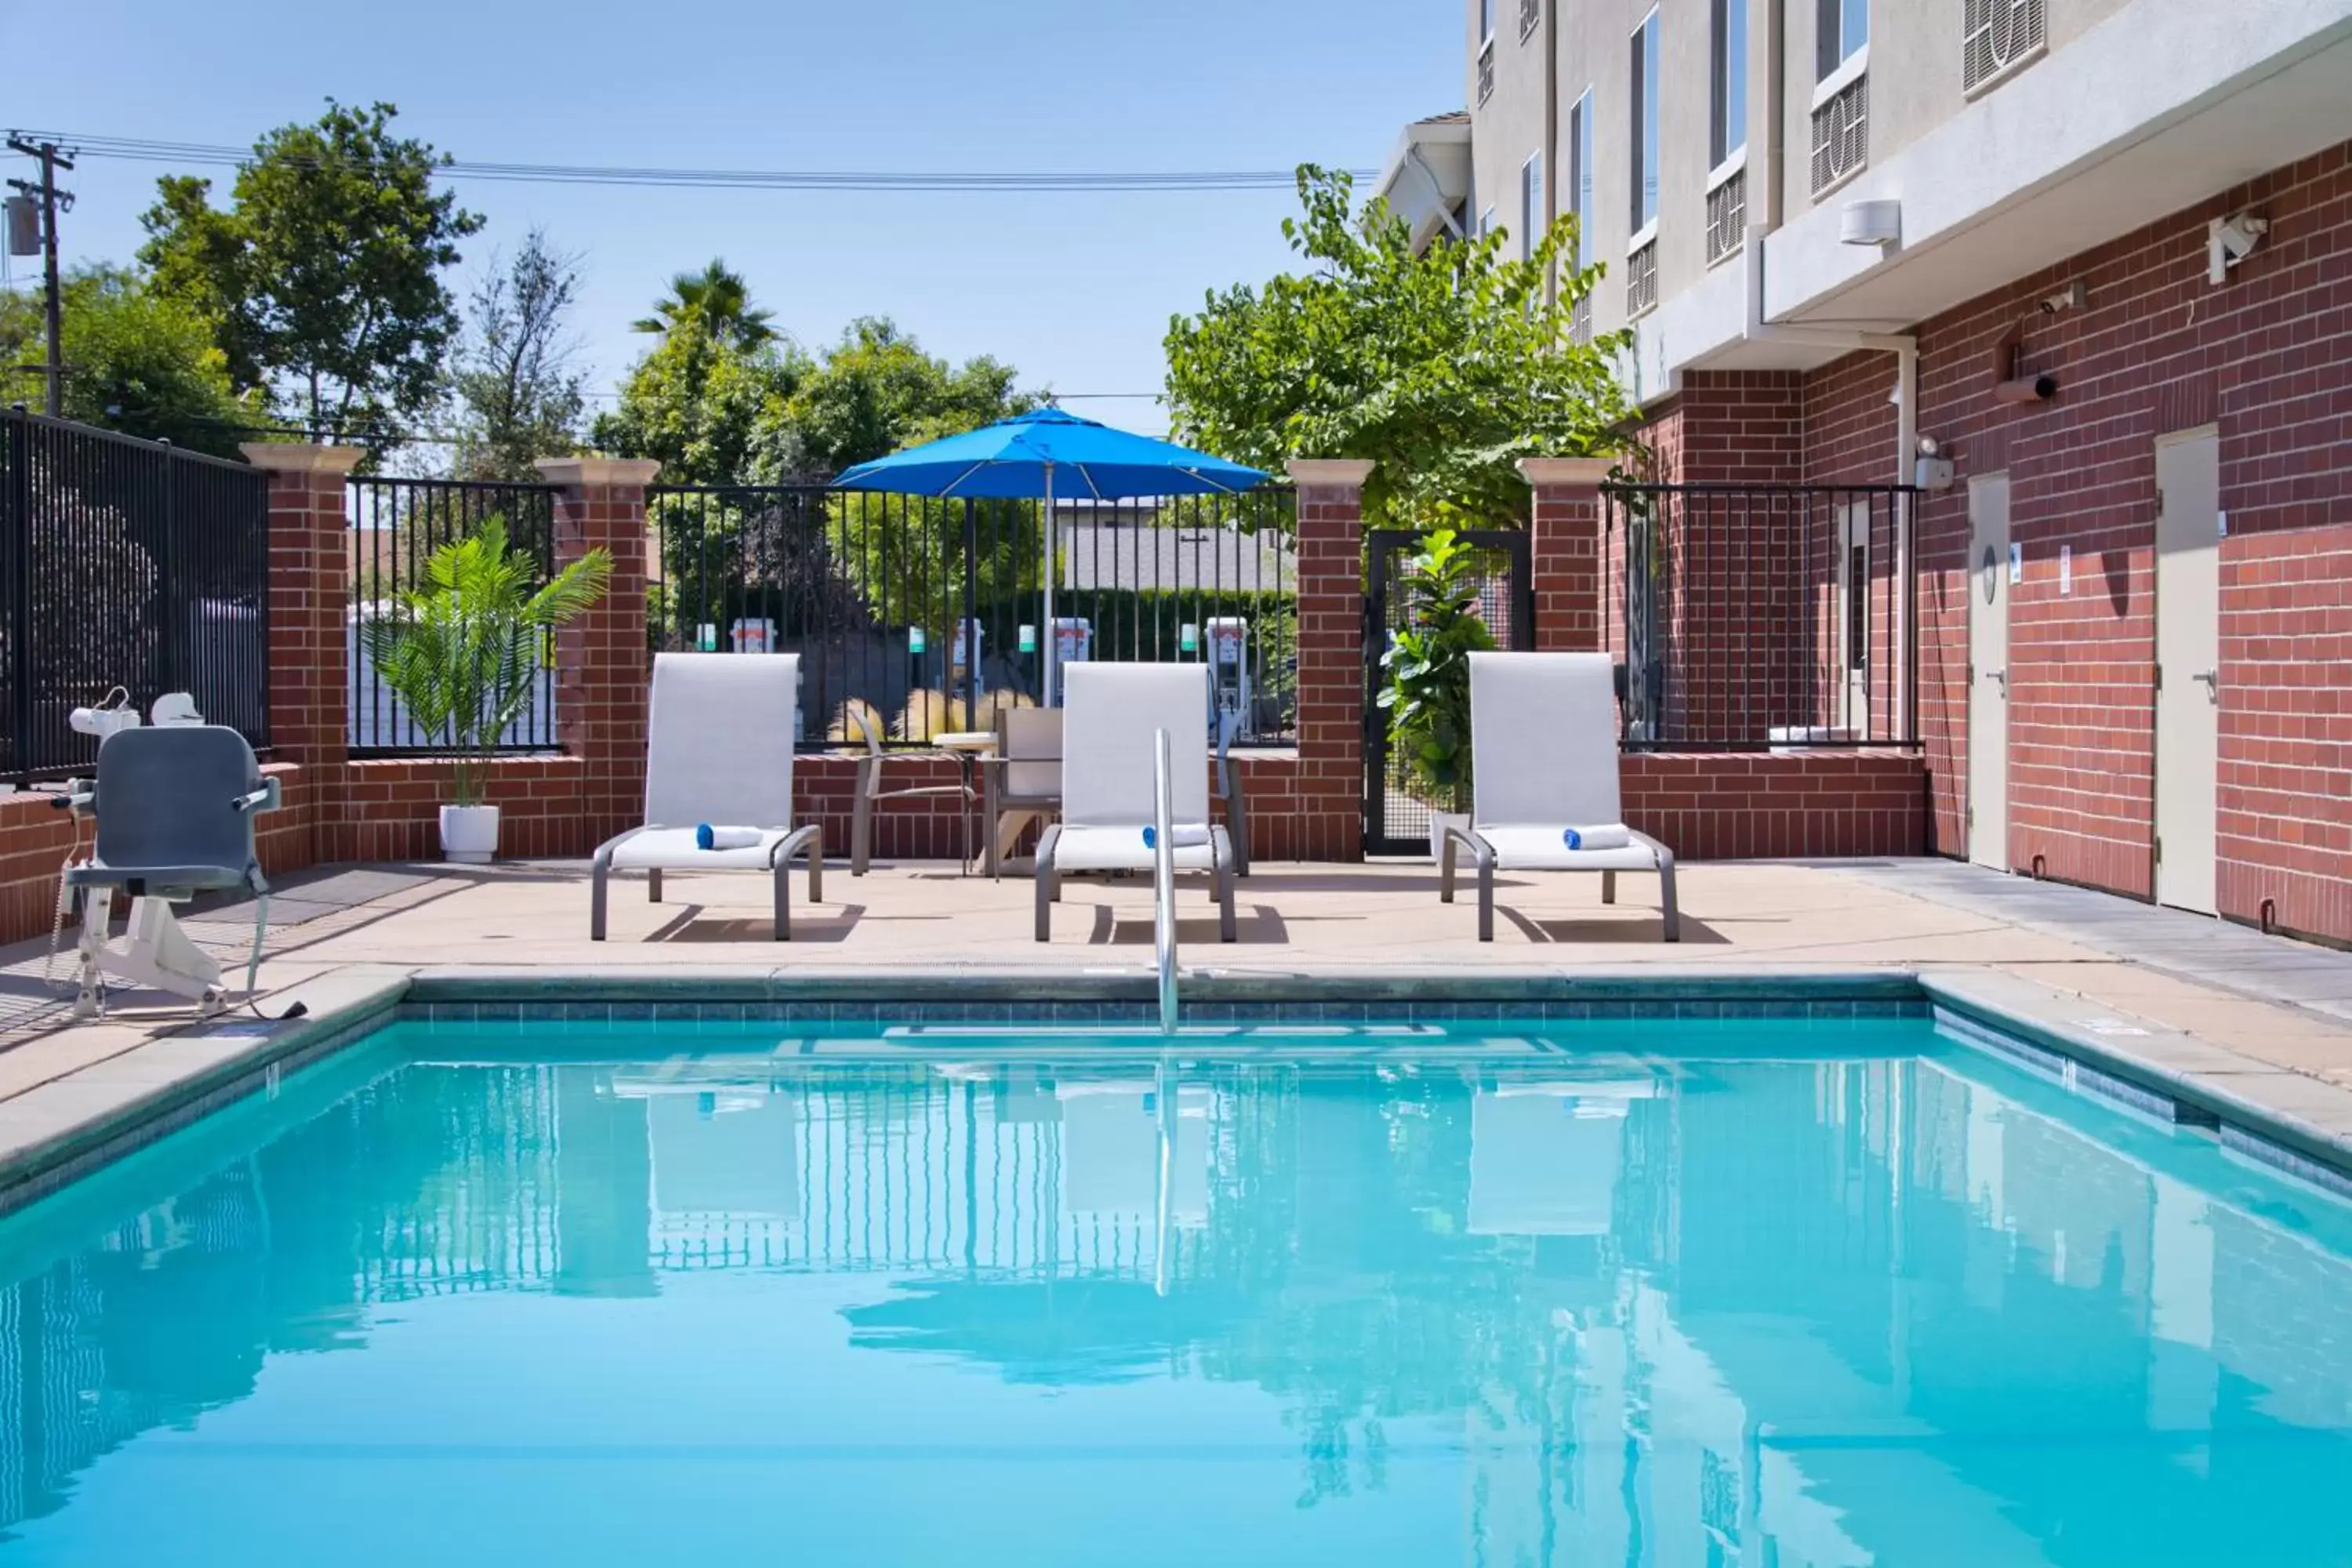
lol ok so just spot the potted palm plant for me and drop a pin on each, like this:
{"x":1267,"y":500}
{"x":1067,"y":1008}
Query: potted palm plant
{"x":463,"y":652}
{"x":1427,"y":696}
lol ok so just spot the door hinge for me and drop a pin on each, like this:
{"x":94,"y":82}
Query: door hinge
{"x":2159,"y":678}
{"x":2156,"y":851}
{"x":1972,"y":816}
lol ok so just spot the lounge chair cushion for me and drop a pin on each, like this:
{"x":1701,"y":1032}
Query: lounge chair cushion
{"x":1540,"y":850}
{"x":1544,"y":728}
{"x":673,"y":848}
{"x":1121,"y":849}
{"x":718,"y":742}
{"x":1111,"y":714}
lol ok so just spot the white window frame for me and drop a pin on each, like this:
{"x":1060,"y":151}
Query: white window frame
{"x":1725,"y":139}
{"x":1487,"y":10}
{"x":1646,"y":192}
{"x":1832,"y":12}
{"x":1580,"y":178}
{"x":1531,"y":201}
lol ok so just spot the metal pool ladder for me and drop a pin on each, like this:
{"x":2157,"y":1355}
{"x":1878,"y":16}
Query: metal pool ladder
{"x":1163,"y":879}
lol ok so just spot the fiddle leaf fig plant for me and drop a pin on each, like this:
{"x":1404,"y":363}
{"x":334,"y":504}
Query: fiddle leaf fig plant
{"x":463,"y":651}
{"x":1427,"y":696}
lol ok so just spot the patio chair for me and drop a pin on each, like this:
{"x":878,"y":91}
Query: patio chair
{"x":1026,"y":773}
{"x":1112,"y":713}
{"x":719,"y":753}
{"x":1543,"y":742}
{"x":870,"y":793}
{"x":175,"y":806}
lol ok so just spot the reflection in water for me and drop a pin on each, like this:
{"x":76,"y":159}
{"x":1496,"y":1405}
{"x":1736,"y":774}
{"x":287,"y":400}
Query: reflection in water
{"x":1859,"y":1310}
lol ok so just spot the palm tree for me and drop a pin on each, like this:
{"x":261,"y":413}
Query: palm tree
{"x":719,"y":299}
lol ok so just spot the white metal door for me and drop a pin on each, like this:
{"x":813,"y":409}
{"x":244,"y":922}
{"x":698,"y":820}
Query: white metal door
{"x":2187,"y":666}
{"x":1988,"y":670}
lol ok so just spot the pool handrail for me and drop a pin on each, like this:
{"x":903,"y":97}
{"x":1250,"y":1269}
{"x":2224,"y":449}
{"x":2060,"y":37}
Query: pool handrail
{"x":1163,"y":880}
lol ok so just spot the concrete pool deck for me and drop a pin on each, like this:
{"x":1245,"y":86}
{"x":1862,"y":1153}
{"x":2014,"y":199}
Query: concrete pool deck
{"x":2265,"y":1023}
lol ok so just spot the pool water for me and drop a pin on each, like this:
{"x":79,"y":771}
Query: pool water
{"x":1759,"y":1293}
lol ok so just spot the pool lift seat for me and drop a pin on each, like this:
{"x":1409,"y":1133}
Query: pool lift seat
{"x":175,"y":806}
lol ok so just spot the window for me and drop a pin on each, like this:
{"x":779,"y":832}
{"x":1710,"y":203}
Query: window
{"x":1532,"y":205}
{"x":1840,"y":30}
{"x":1579,"y":178}
{"x":1645,"y":122}
{"x":1486,"y":20}
{"x":1579,"y":194}
{"x":1730,"y":107}
{"x":1485,"y":222}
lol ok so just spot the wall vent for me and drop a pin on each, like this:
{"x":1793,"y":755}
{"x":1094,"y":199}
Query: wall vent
{"x":1999,"y":36}
{"x":1727,"y":217}
{"x":1842,"y":134}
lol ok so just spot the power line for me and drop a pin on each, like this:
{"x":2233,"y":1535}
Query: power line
{"x":1034,"y":182}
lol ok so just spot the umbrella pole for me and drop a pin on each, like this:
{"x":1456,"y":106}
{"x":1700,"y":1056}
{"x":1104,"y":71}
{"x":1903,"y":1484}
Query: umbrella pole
{"x":1052,"y":694}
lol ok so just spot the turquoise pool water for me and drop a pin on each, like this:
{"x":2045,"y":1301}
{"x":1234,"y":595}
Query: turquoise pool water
{"x":1755,"y":1293}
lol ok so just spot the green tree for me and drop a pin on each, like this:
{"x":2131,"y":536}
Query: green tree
{"x":519,"y":397}
{"x":136,"y":361}
{"x":877,"y":391}
{"x":322,"y":279}
{"x":1427,"y":694}
{"x":708,"y":408}
{"x":719,"y":299}
{"x":1443,"y":368}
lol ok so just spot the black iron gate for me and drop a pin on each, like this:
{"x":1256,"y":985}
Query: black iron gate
{"x":1396,"y":812}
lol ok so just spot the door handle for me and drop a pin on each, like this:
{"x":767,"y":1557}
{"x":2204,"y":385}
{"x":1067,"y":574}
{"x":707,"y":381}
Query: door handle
{"x":2212,"y":679}
{"x":2001,"y":676}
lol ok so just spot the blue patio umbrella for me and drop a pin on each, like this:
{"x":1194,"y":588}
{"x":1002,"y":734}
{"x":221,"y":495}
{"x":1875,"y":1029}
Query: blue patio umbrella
{"x":1043,"y":454}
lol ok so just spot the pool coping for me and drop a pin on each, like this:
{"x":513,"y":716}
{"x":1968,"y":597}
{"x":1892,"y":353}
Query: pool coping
{"x":58,"y":1131}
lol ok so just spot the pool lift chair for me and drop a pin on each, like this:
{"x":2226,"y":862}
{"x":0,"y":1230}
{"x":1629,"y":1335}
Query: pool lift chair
{"x":175,"y":806}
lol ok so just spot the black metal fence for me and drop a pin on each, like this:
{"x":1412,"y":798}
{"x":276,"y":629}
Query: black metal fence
{"x":1399,"y":806}
{"x":124,"y":563}
{"x":396,"y":524}
{"x":926,"y":614}
{"x":1764,"y":617}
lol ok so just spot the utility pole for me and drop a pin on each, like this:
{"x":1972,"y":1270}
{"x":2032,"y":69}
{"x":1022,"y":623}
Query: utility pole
{"x":51,"y":198}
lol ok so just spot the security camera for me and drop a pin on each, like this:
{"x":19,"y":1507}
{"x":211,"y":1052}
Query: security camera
{"x":2074,"y":297}
{"x":2230,"y":241}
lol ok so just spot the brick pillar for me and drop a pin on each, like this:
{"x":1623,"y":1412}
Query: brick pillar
{"x":602,"y":661}
{"x":1330,"y":658}
{"x":1564,"y":550}
{"x":309,"y":594}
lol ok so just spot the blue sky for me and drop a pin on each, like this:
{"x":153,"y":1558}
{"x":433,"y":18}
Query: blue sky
{"x":1075,"y":290}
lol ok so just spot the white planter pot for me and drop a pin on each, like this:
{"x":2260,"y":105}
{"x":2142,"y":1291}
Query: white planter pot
{"x":1439,"y":821}
{"x":470,"y":834}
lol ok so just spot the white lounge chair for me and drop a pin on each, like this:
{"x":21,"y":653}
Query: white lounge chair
{"x":1543,"y":744}
{"x":719,"y":750}
{"x":1111,"y":714}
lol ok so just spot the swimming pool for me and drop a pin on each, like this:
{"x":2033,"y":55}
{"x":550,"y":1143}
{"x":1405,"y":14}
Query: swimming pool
{"x":1837,"y":1291}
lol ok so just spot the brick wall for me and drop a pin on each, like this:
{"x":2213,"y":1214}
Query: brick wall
{"x":1712,"y":806}
{"x":2268,"y":359}
{"x":1326,"y":809}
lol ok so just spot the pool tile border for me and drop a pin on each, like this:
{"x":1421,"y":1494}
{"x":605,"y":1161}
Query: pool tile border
{"x":2296,"y":1125}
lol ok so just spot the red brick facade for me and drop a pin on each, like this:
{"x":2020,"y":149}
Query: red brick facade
{"x":1564,"y":552}
{"x":2267,"y":358}
{"x":1326,"y":808}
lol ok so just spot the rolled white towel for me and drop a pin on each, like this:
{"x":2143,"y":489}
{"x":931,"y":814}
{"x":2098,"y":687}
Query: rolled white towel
{"x":1608,"y":835}
{"x":1181,"y":835}
{"x":715,"y":838}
